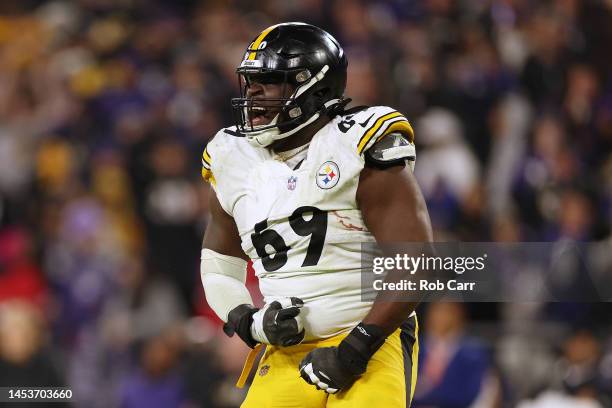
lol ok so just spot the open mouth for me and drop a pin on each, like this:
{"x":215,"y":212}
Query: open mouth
{"x":259,"y":115}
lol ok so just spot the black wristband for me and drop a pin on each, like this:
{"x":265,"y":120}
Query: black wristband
{"x":359,"y":346}
{"x":239,"y":321}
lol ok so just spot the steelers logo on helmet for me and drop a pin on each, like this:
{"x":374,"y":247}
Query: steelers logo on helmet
{"x":310,"y":66}
{"x":328,"y":175}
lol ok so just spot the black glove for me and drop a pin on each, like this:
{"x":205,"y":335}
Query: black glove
{"x":332,"y":369}
{"x":239,"y":321}
{"x":278,"y":323}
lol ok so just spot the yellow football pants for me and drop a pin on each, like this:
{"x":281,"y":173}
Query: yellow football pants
{"x":388,"y":382}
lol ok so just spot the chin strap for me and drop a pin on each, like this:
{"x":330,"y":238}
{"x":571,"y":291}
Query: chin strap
{"x":331,"y":108}
{"x":335,"y":107}
{"x":266,"y":138}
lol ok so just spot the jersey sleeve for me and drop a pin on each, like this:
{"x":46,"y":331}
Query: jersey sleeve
{"x":207,"y":173}
{"x":379,"y":122}
{"x":224,"y":166}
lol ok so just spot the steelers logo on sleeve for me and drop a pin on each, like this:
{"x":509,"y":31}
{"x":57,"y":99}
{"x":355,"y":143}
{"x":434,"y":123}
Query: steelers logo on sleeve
{"x":328,"y":175}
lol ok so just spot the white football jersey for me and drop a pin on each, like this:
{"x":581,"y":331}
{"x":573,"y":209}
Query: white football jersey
{"x":302,"y":228}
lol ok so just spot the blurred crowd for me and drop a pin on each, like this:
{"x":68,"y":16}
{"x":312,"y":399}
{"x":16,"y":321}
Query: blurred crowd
{"x":106,"y":105}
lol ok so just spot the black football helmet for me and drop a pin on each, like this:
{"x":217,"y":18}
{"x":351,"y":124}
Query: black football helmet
{"x":297,"y":54}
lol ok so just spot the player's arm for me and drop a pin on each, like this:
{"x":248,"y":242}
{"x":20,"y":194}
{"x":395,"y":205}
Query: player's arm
{"x":223,"y":272}
{"x":394,"y":210}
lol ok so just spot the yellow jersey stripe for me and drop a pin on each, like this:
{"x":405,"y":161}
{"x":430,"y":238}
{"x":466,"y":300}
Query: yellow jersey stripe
{"x":206,"y":157}
{"x":258,"y":41}
{"x":397,"y":123}
{"x":374,"y":128}
{"x":208,"y":176}
{"x":400,"y":126}
{"x":206,"y":160}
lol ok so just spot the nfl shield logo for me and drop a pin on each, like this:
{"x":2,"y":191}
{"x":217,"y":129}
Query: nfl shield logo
{"x":264,"y":370}
{"x":291,"y":183}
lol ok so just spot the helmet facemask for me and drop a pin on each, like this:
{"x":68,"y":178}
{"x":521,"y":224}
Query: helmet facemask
{"x":298,"y":109}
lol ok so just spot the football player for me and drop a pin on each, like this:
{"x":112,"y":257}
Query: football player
{"x":300,"y":183}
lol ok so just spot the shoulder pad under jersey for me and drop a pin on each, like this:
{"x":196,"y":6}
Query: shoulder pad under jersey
{"x":394,"y":149}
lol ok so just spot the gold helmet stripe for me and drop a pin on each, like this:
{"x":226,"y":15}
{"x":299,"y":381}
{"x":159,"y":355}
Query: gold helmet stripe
{"x":255,"y":44}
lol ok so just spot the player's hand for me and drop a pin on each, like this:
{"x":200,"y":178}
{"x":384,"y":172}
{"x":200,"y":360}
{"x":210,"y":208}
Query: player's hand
{"x":279,"y":323}
{"x":332,"y":369}
{"x":239,"y":321}
{"x":323,"y":369}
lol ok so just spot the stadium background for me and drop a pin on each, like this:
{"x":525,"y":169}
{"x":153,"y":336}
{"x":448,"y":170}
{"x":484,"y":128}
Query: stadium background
{"x":105,"y":106}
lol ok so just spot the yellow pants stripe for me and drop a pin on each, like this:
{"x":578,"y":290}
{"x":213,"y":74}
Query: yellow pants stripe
{"x":415,"y":359}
